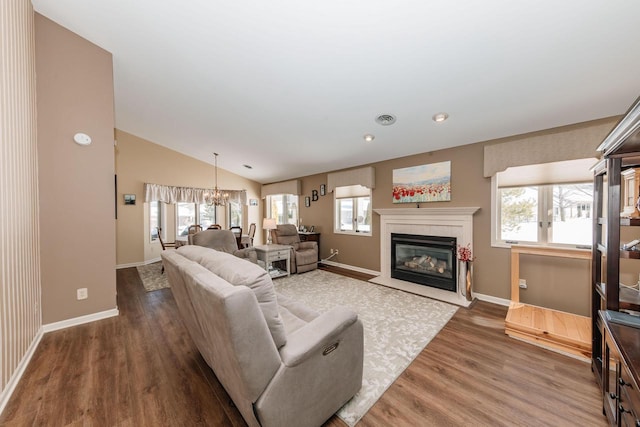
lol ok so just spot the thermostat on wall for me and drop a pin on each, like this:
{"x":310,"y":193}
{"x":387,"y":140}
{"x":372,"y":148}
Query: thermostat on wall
{"x":82,"y":138}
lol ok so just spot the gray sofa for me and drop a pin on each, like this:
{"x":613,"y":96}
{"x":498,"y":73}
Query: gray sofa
{"x":282,"y":363}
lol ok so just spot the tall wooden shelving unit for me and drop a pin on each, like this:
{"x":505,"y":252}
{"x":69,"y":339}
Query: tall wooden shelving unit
{"x":621,"y":151}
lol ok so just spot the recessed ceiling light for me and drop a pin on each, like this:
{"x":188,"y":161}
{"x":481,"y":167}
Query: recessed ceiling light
{"x":440,"y":117}
{"x":248,"y":166}
{"x":368,"y":137}
{"x":386,"y":119}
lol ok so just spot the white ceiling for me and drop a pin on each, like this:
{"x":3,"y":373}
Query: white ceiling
{"x":290,"y":87}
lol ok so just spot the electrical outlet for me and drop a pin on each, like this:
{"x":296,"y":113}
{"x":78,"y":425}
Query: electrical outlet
{"x":337,"y":252}
{"x":523,"y":284}
{"x":331,"y":250}
{"x":82,"y":293}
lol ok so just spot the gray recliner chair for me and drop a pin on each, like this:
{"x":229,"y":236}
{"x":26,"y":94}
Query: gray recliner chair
{"x":223,"y":241}
{"x":304,"y":255}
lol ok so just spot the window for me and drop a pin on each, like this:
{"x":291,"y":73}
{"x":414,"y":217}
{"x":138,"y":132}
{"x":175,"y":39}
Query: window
{"x":284,"y":208}
{"x":544,"y":204}
{"x":193,"y":213}
{"x":155,"y":219}
{"x":235,"y":214}
{"x":207,"y":215}
{"x":554,"y":214}
{"x":352,"y":210}
{"x":185,"y":216}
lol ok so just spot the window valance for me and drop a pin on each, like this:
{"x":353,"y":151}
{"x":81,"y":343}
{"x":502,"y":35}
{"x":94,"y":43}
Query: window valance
{"x":284,"y":187}
{"x":365,"y":177}
{"x":569,"y":144}
{"x":171,"y":194}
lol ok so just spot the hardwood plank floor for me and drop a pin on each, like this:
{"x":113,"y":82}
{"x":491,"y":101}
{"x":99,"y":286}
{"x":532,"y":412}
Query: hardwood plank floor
{"x":142,"y":369}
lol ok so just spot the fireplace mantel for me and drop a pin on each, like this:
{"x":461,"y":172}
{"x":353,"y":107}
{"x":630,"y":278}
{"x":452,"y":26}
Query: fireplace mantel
{"x":450,"y":222}
{"x":428,"y":211}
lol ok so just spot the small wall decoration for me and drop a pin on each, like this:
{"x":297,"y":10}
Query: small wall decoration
{"x":323,"y":189}
{"x":129,"y":199}
{"x":426,"y":183}
{"x":307,"y":201}
{"x":253,"y":202}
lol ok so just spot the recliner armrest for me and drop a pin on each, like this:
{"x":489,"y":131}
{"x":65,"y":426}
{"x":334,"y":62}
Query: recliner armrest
{"x":317,"y":336}
{"x":247,"y":253}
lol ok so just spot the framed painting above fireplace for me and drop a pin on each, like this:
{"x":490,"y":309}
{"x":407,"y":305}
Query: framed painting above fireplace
{"x":425,"y":183}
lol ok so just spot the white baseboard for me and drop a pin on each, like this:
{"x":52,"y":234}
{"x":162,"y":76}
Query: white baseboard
{"x":80,"y":320}
{"x":17,"y":374}
{"x":350,"y":267}
{"x":481,"y":297}
{"x":492,"y":299}
{"x":136,"y":264}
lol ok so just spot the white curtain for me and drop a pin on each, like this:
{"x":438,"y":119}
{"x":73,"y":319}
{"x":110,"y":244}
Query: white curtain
{"x":171,"y":194}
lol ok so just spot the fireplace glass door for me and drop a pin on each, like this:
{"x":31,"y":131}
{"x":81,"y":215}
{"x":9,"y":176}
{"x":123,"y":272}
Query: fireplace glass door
{"x":426,"y":260}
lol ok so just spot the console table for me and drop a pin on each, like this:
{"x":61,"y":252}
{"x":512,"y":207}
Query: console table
{"x":271,"y":253}
{"x":309,"y":236}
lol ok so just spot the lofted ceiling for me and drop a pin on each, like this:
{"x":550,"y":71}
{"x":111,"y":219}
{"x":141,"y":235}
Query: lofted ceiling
{"x":291,"y":87}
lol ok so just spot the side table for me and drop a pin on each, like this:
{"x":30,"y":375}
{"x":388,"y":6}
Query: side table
{"x":271,"y":253}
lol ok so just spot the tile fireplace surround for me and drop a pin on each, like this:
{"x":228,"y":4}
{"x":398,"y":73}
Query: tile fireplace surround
{"x":447,"y":222}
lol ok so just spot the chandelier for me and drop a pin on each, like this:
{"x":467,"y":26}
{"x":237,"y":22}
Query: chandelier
{"x":216,"y":197}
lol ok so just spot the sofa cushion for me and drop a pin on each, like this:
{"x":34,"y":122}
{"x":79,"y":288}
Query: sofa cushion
{"x":239,"y":272}
{"x":294,"y":314}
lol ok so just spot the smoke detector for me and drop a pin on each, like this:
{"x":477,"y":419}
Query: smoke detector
{"x":386,"y":119}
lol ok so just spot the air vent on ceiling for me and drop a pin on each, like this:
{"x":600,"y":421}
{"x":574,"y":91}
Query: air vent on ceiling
{"x":386,"y":119}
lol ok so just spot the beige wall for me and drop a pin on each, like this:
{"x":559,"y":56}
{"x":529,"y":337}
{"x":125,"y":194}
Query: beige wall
{"x":565,"y":286}
{"x":20,"y":318}
{"x":77,"y":224}
{"x":139,"y":161}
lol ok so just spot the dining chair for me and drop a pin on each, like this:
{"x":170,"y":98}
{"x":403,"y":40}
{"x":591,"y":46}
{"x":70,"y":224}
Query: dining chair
{"x":237,"y":231}
{"x":249,"y":237}
{"x":164,"y":244}
{"x":214,"y":227}
{"x":193,"y":229}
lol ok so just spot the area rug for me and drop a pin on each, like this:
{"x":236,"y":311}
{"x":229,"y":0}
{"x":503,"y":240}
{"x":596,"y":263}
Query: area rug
{"x":397,"y":327}
{"x":152,"y":277}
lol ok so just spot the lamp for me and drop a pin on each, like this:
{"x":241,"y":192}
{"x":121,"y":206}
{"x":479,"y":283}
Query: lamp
{"x":269,"y":224}
{"x":216,"y":197}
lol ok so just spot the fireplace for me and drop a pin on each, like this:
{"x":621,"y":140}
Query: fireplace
{"x":452,"y":222}
{"x":425,"y":260}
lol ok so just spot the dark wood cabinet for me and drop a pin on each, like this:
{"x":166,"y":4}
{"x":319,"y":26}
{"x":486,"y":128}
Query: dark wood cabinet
{"x":615,"y":349}
{"x":621,"y":395}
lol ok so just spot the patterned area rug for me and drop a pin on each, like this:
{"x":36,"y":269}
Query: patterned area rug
{"x":152,"y":277}
{"x":397,"y":327}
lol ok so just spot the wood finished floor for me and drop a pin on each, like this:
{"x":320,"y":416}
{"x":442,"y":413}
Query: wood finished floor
{"x":141,"y":369}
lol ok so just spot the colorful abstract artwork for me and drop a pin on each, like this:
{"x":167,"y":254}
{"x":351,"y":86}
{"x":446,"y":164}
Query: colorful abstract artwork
{"x":426,"y":183}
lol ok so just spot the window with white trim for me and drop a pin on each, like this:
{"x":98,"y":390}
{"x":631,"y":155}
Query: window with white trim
{"x":188,"y":214}
{"x":155,"y":219}
{"x":352,"y":210}
{"x":235,"y":214}
{"x":552,"y":214}
{"x":284,"y":208}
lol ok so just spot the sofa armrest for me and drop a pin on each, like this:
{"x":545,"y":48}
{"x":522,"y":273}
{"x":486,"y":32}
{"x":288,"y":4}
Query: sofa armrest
{"x":308,"y":245}
{"x":319,"y":335}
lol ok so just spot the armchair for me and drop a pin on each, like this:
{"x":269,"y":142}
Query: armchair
{"x":304,"y":255}
{"x":223,"y":241}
